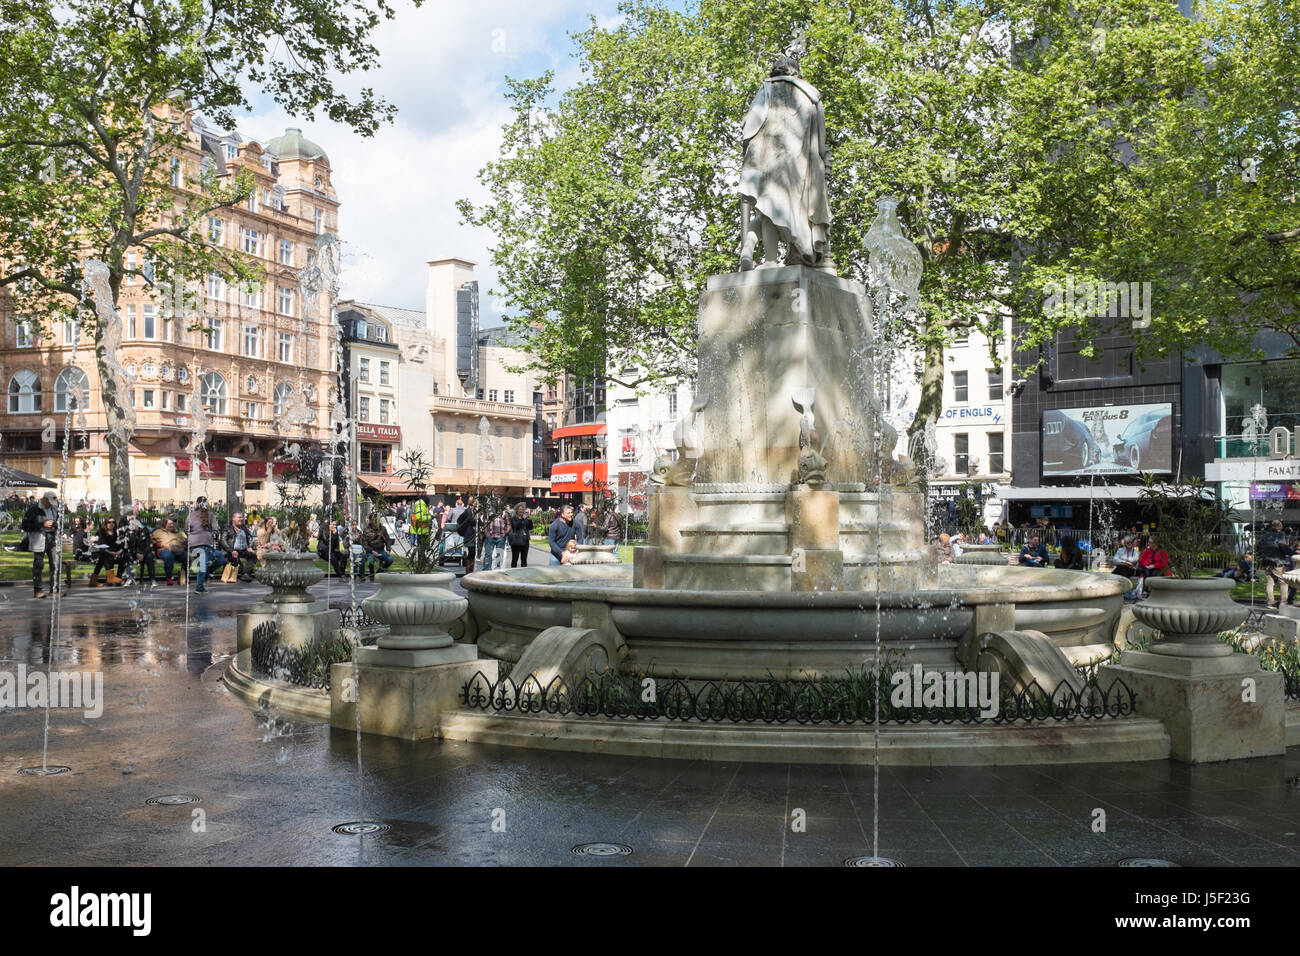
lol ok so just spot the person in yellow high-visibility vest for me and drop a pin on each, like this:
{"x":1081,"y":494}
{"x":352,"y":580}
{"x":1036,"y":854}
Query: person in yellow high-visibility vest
{"x":419,"y":519}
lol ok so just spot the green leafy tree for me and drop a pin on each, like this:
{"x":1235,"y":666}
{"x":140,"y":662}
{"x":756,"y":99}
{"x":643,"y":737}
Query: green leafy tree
{"x":95,"y":92}
{"x":1028,"y":142}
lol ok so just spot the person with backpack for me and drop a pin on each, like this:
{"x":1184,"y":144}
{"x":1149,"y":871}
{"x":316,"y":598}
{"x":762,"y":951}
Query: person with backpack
{"x":41,"y":521}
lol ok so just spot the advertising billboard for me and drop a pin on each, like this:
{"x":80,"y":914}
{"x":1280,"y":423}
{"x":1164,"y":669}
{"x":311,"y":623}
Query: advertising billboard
{"x":1111,"y":440}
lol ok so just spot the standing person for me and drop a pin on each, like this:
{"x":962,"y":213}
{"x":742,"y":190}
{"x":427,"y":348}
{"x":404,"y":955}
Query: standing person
{"x":201,"y":537}
{"x":580,"y":522}
{"x":313,"y":528}
{"x":420,"y":521}
{"x":41,"y":522}
{"x":559,"y":533}
{"x":519,"y":536}
{"x":467,"y":528}
{"x":377,"y":544}
{"x":111,"y":553}
{"x":610,"y":527}
{"x":1274,"y":555}
{"x":494,"y":541}
{"x":170,"y":544}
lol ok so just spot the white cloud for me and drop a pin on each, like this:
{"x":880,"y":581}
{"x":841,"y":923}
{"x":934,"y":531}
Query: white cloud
{"x":443,"y":66}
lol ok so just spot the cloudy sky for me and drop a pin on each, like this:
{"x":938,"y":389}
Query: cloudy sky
{"x":443,"y":66}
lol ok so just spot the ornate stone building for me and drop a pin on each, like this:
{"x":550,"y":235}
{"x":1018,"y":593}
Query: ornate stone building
{"x":259,"y":362}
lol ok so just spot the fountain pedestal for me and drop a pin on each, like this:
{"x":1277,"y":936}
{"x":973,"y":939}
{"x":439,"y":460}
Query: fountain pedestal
{"x":300,"y":615}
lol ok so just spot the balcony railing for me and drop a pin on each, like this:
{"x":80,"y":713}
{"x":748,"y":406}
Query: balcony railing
{"x":1235,"y":446}
{"x":478,"y":406}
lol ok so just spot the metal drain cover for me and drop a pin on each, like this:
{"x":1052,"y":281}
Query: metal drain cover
{"x":859,"y":861}
{"x":49,"y":771}
{"x":172,"y":800}
{"x":1144,"y":861}
{"x":602,"y":849}
{"x":360,"y":828}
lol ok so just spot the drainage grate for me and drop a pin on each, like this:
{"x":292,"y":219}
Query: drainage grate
{"x":49,"y":771}
{"x":602,"y":849}
{"x":172,"y":800}
{"x":1144,"y":861}
{"x":360,"y":828}
{"x":858,"y":861}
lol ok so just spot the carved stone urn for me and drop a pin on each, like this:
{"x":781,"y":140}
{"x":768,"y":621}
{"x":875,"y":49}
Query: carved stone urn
{"x":1190,"y":613}
{"x":990,"y":554}
{"x":416,"y":608}
{"x":288,"y":574}
{"x":596,"y":554}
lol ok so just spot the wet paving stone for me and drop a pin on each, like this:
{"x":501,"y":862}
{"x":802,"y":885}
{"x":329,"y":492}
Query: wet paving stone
{"x":270,"y":792}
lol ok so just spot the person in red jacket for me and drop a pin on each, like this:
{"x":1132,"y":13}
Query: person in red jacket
{"x":1154,"y":560}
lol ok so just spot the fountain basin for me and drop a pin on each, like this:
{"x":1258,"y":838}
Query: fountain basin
{"x":754,"y":635}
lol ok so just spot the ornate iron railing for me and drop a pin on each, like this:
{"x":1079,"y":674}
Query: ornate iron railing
{"x":355,"y":617}
{"x":843,"y":701}
{"x":1290,"y":683}
{"x":307,"y":666}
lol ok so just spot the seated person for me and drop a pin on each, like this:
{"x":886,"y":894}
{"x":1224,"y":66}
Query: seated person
{"x":331,"y":546}
{"x":110,"y":554}
{"x":169,"y":544}
{"x":377,"y":544}
{"x":1153,"y":561}
{"x":1071,"y":558}
{"x":1034,"y":553}
{"x":139,"y":547}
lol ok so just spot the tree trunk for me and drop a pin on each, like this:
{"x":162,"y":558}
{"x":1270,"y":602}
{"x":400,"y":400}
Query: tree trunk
{"x":931,"y":402}
{"x":119,"y":461}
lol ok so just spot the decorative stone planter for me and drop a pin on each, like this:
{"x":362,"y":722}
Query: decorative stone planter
{"x":1190,"y":614}
{"x":990,"y":554}
{"x":288,"y":574}
{"x":415,"y":607}
{"x":597,"y":554}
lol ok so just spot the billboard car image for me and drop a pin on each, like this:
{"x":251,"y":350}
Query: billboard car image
{"x":1110,"y":440}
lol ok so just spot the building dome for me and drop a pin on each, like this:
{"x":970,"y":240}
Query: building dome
{"x":293,"y":145}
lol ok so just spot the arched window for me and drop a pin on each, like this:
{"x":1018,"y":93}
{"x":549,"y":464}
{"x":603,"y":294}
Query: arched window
{"x":212,"y":391}
{"x":24,"y":392}
{"x":71,"y":390}
{"x":282,"y":393}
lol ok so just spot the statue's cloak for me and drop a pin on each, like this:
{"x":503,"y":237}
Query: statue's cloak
{"x":784,"y":172}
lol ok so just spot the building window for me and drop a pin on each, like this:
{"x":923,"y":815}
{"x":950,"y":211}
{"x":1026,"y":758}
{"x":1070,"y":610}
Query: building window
{"x":212,"y":391}
{"x":460,"y":457}
{"x":70,"y":332}
{"x":130,"y":321}
{"x":995,"y":385}
{"x":363,"y":409}
{"x":281,"y":398}
{"x":672,"y":404}
{"x":320,"y":222}
{"x":23,"y":335}
{"x":375,"y":458}
{"x":216,"y":230}
{"x":176,"y":172}
{"x":510,"y":397}
{"x":286,"y":301}
{"x":286,"y":252}
{"x":166,"y":401}
{"x":383,"y":373}
{"x":214,"y":334}
{"x":128,"y":275}
{"x":383,"y":411}
{"x":252,"y":200}
{"x":150,"y":322}
{"x":960,"y":388}
{"x":251,"y":237}
{"x":253,"y":296}
{"x":251,"y":341}
{"x":253,"y":411}
{"x":148,"y":401}
{"x":180,"y":401}
{"x":286,"y":347}
{"x":961,"y":453}
{"x":492,"y":395}
{"x":550,"y":422}
{"x":232,"y":151}
{"x":214,"y":285}
{"x":71,"y":390}
{"x":995,"y":453}
{"x":363,"y":372}
{"x":24,"y":392}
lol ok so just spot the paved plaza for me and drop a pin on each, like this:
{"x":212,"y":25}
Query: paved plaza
{"x":270,"y":789}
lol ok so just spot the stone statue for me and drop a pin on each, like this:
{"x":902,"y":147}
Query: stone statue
{"x":783,"y":177}
{"x":679,"y":472}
